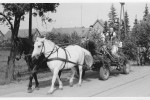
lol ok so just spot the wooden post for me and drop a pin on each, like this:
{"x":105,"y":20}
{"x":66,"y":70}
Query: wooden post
{"x":122,"y":11}
{"x":30,"y":22}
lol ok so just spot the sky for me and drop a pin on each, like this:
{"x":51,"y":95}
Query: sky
{"x":77,"y":14}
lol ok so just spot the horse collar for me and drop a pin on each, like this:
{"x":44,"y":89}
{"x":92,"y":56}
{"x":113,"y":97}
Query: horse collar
{"x":51,"y":52}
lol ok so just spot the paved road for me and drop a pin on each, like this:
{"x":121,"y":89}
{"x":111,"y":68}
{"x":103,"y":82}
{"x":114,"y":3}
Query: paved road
{"x":135,"y":84}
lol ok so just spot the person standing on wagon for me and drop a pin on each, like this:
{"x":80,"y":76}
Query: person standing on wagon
{"x":112,"y":36}
{"x":112,"y":41}
{"x":89,"y":33}
{"x":115,"y":43}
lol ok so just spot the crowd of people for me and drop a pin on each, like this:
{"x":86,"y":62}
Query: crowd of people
{"x":109,"y":40}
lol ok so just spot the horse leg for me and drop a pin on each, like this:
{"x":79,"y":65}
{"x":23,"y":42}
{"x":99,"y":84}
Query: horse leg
{"x":36,"y":81}
{"x":55,"y":74}
{"x":72,"y":76}
{"x":30,"y":84}
{"x":80,"y":78}
{"x":59,"y":73}
{"x":31,"y":76}
{"x":60,"y":83}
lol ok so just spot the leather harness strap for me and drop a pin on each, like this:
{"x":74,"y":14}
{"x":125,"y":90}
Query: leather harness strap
{"x":64,"y":60}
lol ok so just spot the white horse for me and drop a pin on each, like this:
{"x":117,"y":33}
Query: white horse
{"x":69,"y":57}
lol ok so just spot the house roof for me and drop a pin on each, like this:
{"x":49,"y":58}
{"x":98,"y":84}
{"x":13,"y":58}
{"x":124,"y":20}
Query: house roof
{"x":79,"y":30}
{"x":100,"y":22}
{"x":22,"y":33}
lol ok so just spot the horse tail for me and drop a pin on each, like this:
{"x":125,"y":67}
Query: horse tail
{"x":88,"y":59}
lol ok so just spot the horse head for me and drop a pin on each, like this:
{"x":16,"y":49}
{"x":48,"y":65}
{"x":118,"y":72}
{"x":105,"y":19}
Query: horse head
{"x":38,"y":47}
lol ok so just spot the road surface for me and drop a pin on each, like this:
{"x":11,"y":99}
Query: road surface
{"x":135,"y":84}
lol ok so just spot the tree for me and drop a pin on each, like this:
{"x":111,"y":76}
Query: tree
{"x":112,"y":16}
{"x":140,"y":35}
{"x":125,"y":23}
{"x":12,"y":14}
{"x":74,"y":38}
{"x":135,"y":21}
{"x":146,"y":12}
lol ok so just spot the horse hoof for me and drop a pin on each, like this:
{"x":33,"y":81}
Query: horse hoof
{"x":37,"y":88}
{"x":49,"y":92}
{"x":79,"y":85}
{"x":61,"y":88}
{"x":30,"y":91}
{"x":71,"y":84}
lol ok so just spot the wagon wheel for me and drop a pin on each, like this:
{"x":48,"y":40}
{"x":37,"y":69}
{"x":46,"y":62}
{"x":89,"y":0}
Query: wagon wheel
{"x":104,"y":72}
{"x":77,"y":72}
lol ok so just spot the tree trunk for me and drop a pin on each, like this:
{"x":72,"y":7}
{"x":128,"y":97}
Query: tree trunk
{"x":11,"y":59}
{"x":10,"y":65}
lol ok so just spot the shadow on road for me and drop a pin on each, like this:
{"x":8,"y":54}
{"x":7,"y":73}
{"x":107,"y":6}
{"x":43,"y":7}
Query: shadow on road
{"x":47,"y":83}
{"x":89,"y":75}
{"x":95,"y":75}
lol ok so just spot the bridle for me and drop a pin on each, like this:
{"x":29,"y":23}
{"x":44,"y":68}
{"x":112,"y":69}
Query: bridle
{"x":56,"y":58}
{"x":49,"y":52}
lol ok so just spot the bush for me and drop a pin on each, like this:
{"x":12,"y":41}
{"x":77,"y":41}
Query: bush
{"x":63,"y":39}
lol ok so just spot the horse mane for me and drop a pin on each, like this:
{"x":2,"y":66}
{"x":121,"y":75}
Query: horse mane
{"x":25,"y":45}
{"x":50,"y":42}
{"x":28,"y":42}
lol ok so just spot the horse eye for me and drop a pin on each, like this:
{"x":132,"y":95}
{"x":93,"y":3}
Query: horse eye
{"x":39,"y":46}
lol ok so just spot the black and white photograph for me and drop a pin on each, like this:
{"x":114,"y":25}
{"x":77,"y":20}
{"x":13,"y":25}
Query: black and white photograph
{"x":75,"y":49}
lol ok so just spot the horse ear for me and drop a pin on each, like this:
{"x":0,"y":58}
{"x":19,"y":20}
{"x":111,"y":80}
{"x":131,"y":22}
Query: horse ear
{"x":43,"y":39}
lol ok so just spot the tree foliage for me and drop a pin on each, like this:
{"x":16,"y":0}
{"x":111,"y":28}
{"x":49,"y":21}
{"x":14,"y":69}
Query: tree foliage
{"x":140,"y":35}
{"x":12,"y":14}
{"x":112,"y":16}
{"x":125,"y":23}
{"x":64,"y":39}
{"x":146,"y":12}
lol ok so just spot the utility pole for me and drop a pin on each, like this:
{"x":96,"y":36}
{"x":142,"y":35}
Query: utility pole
{"x":30,"y":22}
{"x":81,"y":15}
{"x":81,"y":19}
{"x":122,"y":13}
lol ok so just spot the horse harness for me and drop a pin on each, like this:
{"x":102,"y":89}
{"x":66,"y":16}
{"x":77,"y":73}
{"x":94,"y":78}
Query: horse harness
{"x":57,"y":58}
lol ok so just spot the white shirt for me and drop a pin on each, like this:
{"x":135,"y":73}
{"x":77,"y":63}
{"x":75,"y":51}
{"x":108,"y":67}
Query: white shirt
{"x":102,"y":37}
{"x":114,"y":34}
